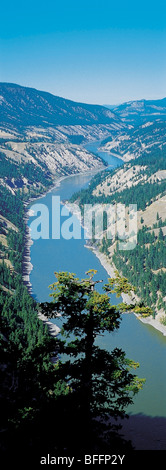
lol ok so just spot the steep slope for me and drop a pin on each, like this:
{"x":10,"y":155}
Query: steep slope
{"x":141,"y":182}
{"x":23,"y":106}
{"x":43,"y":130}
{"x":40,"y":137}
{"x":134,"y":142}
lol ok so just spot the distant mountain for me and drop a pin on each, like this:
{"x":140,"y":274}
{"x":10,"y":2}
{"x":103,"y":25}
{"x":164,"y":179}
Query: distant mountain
{"x":22,"y":106}
{"x":110,"y":106}
{"x":141,"y":111}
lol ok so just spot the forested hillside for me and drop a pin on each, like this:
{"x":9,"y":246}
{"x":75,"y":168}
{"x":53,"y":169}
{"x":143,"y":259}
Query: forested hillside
{"x":40,"y":394}
{"x":33,"y":153}
{"x":24,"y":106}
{"x":41,"y":138}
{"x":141,"y":182}
{"x":26,"y":347}
{"x":137,"y":140}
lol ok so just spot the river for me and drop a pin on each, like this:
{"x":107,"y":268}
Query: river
{"x":141,"y":342}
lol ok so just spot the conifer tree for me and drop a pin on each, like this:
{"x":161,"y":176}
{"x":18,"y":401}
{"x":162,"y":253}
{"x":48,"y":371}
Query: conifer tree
{"x":101,"y":383}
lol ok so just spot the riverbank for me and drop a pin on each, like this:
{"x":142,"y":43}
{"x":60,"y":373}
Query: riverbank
{"x":111,"y":268}
{"x":27,"y":264}
{"x":52,"y":327}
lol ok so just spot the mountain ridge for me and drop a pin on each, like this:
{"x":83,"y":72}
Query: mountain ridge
{"x":29,"y":106}
{"x":42,"y":129}
{"x":138,"y":111}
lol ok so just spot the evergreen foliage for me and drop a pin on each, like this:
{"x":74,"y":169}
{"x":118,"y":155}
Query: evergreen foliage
{"x":145,"y":265}
{"x":102,"y":384}
{"x":142,"y":194}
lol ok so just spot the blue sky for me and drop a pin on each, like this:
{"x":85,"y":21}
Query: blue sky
{"x":102,"y":52}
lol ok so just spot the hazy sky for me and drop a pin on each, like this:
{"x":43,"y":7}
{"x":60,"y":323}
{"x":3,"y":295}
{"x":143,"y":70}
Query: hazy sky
{"x":92,"y":51}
